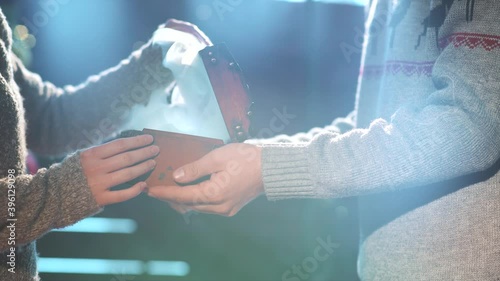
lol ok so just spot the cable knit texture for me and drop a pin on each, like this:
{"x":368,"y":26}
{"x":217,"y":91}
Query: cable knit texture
{"x":423,"y":153}
{"x":58,"y":121}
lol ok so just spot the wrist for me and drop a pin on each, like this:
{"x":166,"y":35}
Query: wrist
{"x":260,"y":183}
{"x":285,"y":171}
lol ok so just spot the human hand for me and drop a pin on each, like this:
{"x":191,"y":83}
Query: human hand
{"x":235,"y":180}
{"x":115,"y":163}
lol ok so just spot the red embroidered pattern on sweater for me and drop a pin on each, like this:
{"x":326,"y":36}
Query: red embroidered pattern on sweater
{"x":471,"y":40}
{"x":407,"y":68}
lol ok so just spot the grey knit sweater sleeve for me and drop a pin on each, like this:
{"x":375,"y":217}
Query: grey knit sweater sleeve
{"x":455,"y":131}
{"x":62,"y":120}
{"x":52,"y":198}
{"x":58,"y":121}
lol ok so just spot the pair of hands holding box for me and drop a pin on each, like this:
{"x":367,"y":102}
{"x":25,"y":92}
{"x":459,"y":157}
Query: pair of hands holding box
{"x":233,"y":171}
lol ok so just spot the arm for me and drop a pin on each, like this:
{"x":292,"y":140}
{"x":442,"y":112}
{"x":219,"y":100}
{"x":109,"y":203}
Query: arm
{"x":66,"y":192}
{"x":61,"y":120}
{"x":53,"y":198}
{"x":72,"y":190}
{"x":339,"y":126}
{"x":453,"y":132}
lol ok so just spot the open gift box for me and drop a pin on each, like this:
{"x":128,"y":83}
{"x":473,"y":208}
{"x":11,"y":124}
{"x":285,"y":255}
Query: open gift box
{"x":231,"y":94}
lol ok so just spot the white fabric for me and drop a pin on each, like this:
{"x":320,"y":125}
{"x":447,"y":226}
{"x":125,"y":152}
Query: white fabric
{"x":193,"y":109}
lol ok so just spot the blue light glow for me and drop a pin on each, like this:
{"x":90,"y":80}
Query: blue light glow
{"x":168,"y":268}
{"x":351,"y":2}
{"x":102,"y":225}
{"x":90,"y":266}
{"x":294,"y":1}
{"x":112,"y":267}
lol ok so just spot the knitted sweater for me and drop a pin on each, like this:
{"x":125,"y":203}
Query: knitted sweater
{"x":57,"y":121}
{"x":423,"y":158}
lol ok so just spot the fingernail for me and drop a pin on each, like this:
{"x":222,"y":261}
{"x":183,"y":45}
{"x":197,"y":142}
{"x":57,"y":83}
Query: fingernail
{"x":148,"y":138}
{"x":155,"y":149}
{"x":143,"y":186}
{"x":152,"y":164}
{"x":178,"y":174}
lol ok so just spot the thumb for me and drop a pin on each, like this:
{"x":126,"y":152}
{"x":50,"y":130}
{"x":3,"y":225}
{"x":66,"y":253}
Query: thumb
{"x":195,"y":170}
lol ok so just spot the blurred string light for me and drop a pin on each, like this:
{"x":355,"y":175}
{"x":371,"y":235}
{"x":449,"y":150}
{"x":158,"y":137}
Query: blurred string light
{"x":113,"y":267}
{"x":21,"y":33}
{"x":23,"y":42}
{"x":102,"y":225}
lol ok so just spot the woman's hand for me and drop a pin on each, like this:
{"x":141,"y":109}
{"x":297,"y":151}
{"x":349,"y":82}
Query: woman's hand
{"x":115,"y":163}
{"x":235,"y":180}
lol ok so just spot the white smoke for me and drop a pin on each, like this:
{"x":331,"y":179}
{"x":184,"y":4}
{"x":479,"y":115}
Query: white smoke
{"x":193,"y":108}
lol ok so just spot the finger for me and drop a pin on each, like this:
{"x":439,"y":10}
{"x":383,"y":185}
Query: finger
{"x":130,"y":158}
{"x":185,"y":195}
{"x":189,"y":28}
{"x":121,"y":145}
{"x":130,"y":173}
{"x":113,"y":197}
{"x":220,"y":210}
{"x":205,"y":166}
{"x":205,"y":193}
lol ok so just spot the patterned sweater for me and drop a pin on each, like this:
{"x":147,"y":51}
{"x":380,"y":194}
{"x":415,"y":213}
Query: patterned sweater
{"x":423,"y":146}
{"x":54,"y":121}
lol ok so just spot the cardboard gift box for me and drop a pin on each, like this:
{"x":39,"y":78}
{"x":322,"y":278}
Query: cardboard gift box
{"x":231,"y":92}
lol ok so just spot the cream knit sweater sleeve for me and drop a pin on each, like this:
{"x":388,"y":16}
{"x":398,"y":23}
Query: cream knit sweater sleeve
{"x":455,"y":131}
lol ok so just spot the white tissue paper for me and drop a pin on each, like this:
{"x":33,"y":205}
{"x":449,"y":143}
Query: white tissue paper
{"x":193,"y":108}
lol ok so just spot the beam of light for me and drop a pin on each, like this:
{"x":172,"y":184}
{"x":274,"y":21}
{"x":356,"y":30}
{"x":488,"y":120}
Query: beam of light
{"x":168,"y":268}
{"x":90,"y":266}
{"x":112,"y":267}
{"x":351,"y":2}
{"x":294,"y":1}
{"x":102,"y":225}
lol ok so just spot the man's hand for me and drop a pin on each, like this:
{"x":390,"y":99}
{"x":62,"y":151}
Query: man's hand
{"x":235,"y":180}
{"x":115,"y":163}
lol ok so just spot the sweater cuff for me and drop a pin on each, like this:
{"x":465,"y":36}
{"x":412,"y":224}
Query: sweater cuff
{"x":285,"y":171}
{"x":76,"y":199}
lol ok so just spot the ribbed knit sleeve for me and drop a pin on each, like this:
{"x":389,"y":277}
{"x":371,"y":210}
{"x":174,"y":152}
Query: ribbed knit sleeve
{"x":286,"y":169}
{"x":52,"y":198}
{"x":289,"y":160}
{"x":62,"y":120}
{"x":453,"y":131}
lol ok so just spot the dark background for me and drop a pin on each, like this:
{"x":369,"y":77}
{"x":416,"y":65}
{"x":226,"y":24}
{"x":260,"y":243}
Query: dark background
{"x":291,"y":56}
